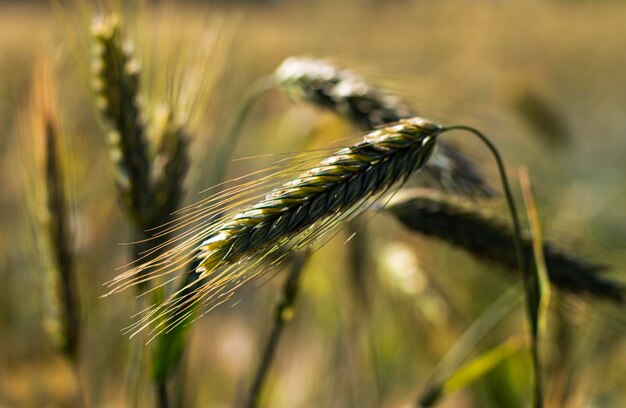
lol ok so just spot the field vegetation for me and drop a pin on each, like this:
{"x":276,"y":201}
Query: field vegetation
{"x":282,"y":204}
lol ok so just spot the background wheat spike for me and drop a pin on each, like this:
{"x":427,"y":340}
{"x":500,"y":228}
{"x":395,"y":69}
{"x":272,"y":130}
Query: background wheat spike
{"x":150,"y":185}
{"x":353,"y":98}
{"x":61,"y":243}
{"x":150,"y":180}
{"x":462,"y":225}
{"x":171,"y":164}
{"x":47,"y":169}
{"x":116,"y":84}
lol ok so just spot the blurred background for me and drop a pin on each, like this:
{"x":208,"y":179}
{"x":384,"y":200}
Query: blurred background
{"x":544,"y":79}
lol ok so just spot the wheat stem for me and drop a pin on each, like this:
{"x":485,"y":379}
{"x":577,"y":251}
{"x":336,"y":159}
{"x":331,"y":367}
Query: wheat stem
{"x":517,"y":231}
{"x":530,"y":282}
{"x":283,"y":314}
{"x":170,"y":346}
{"x":162,"y":395}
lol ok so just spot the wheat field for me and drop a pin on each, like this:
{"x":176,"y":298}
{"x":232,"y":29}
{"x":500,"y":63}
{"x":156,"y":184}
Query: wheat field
{"x":138,"y":139}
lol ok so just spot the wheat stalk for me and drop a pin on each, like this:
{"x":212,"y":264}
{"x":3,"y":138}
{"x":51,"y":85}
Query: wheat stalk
{"x":294,"y":215}
{"x":486,"y":237}
{"x":353,"y":98}
{"x":283,"y":313}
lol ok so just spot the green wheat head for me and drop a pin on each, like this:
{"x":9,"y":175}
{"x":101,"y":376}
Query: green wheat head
{"x":295,"y":215}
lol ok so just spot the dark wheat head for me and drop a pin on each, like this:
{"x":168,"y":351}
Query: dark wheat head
{"x":116,"y":85}
{"x":353,"y":98}
{"x":489,"y":238}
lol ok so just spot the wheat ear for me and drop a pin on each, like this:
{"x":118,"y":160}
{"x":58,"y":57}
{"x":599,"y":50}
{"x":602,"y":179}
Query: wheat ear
{"x":463,"y":225}
{"x":150,"y":186}
{"x":116,"y":83}
{"x":294,"y":215}
{"x":50,"y":203}
{"x":41,"y":126}
{"x":170,"y":166}
{"x":60,"y":238}
{"x":383,"y":158}
{"x":353,"y":98}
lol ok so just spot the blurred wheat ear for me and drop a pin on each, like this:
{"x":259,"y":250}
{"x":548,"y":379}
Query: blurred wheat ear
{"x":462,"y":224}
{"x":350,"y":96}
{"x":116,"y":84}
{"x":534,"y":106}
{"x":366,"y":107}
{"x":47,"y":135}
{"x":150,"y":180}
{"x":61,"y":242}
{"x":46,"y":168}
{"x":150,"y":185}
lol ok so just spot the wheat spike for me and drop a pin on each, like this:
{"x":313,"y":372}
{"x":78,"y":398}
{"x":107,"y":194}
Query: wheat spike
{"x":45,"y":172}
{"x":116,"y":84}
{"x":383,"y":158}
{"x":349,"y":95}
{"x":61,"y":242}
{"x":462,"y":225}
{"x":150,"y":185}
{"x":293,"y":216}
{"x":171,"y":165}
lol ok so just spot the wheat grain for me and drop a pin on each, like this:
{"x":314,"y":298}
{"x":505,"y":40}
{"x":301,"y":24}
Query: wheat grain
{"x":341,"y":180}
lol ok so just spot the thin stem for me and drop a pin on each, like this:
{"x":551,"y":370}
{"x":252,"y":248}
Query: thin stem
{"x":540,"y":273}
{"x":361,"y":302}
{"x":282,"y":315}
{"x":81,"y":395}
{"x":134,"y":366}
{"x":162,"y":395}
{"x":357,"y":255}
{"x":538,"y":392}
